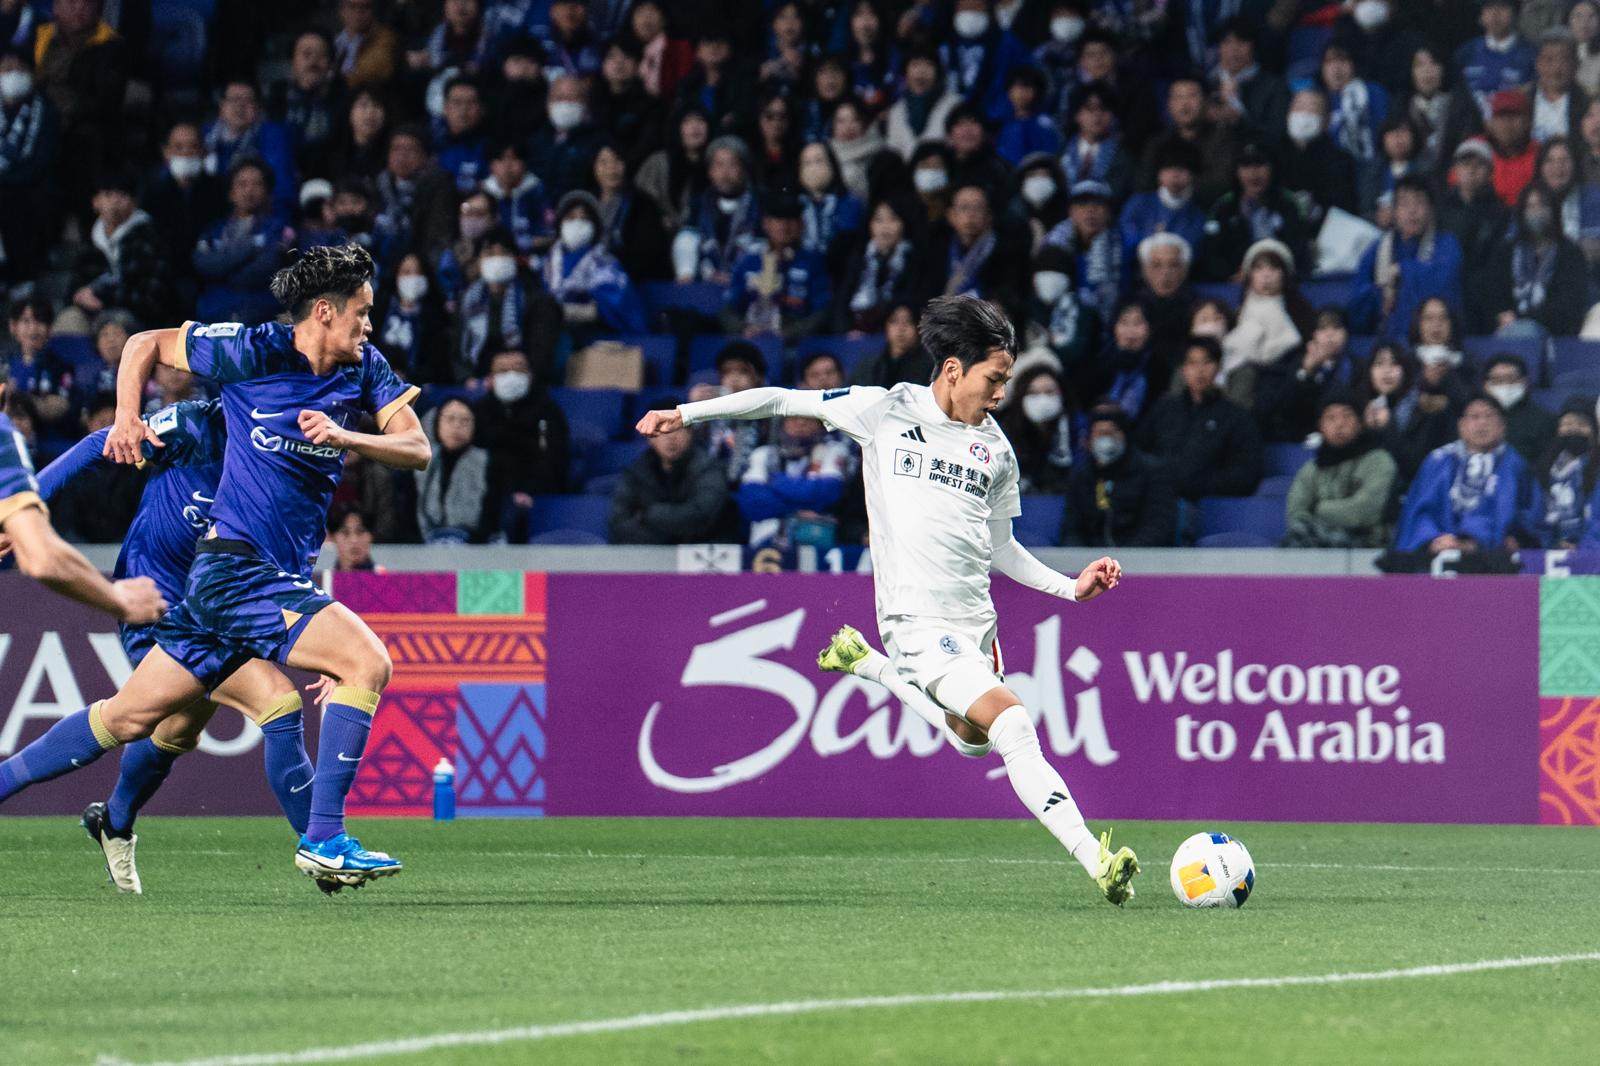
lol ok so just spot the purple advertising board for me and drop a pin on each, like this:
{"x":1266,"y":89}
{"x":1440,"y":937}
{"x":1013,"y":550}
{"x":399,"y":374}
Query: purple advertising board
{"x":1403,"y":699}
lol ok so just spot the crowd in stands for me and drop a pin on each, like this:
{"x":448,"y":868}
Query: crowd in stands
{"x":1306,"y":272}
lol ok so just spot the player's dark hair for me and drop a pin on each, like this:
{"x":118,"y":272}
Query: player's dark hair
{"x":966,"y":329}
{"x":331,"y":272}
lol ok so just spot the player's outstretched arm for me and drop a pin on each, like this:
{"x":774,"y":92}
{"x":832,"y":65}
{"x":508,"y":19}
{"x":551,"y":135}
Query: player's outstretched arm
{"x":842,"y":408}
{"x":1010,"y":558}
{"x":125,"y":443}
{"x":402,"y":443}
{"x":45,"y":557}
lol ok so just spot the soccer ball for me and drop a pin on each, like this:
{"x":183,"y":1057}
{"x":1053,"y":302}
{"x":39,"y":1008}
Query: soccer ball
{"x":1212,"y":870}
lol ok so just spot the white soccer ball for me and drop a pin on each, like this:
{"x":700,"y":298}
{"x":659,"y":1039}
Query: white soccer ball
{"x":1212,"y":870}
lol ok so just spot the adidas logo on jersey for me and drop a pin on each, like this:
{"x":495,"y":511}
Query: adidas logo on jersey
{"x":915,"y":433}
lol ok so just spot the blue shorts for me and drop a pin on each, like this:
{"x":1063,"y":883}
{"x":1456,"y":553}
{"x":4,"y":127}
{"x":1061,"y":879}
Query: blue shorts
{"x":236,"y":607}
{"x":137,"y":641}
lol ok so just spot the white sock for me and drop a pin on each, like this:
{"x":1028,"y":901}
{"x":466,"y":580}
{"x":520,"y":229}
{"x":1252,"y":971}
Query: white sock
{"x":878,"y":667}
{"x":1040,"y":788}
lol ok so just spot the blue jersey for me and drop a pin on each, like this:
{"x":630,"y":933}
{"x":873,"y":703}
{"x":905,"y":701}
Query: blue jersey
{"x":276,"y":485}
{"x":17,"y":486}
{"x":175,"y":508}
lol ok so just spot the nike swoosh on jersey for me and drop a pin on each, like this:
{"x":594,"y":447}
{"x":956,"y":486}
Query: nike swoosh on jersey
{"x":258,"y":413}
{"x":303,"y":787}
{"x":345,"y":758}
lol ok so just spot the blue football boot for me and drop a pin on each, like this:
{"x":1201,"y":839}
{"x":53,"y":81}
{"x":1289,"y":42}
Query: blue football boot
{"x":342,"y":859}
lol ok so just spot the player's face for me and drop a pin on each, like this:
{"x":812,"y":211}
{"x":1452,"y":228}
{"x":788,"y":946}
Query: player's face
{"x":978,"y":392}
{"x":350,"y":327}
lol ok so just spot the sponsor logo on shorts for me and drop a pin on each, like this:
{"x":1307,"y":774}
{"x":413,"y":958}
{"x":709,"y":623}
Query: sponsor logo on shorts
{"x":907,"y":463}
{"x":979,"y":451}
{"x":948,"y":645}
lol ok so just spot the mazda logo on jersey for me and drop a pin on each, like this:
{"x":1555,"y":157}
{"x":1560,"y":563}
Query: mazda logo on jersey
{"x":271,"y":442}
{"x":979,"y":452}
{"x":265,"y":441}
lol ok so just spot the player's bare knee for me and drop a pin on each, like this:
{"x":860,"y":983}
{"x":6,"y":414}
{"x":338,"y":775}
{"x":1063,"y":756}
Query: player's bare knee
{"x":125,"y":722}
{"x":965,"y":730}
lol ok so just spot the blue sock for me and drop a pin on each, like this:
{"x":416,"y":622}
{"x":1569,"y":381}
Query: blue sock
{"x":345,"y":726}
{"x":289,"y":769}
{"x":76,"y":741}
{"x":145,"y":764}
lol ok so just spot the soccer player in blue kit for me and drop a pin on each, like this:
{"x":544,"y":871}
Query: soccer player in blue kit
{"x":289,"y":395}
{"x":174,"y":511}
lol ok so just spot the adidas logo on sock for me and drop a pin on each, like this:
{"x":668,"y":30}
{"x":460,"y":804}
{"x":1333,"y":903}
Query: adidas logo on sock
{"x":1055,"y":798}
{"x":915,"y":433}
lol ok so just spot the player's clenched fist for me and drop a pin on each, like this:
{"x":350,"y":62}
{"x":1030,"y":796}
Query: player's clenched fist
{"x":1102,"y":575}
{"x":320,"y":429}
{"x":139,"y":599}
{"x":655,"y":423}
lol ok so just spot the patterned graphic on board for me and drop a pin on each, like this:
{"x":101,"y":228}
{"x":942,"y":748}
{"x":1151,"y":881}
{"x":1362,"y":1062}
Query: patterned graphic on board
{"x":1569,"y":761}
{"x":500,"y":731}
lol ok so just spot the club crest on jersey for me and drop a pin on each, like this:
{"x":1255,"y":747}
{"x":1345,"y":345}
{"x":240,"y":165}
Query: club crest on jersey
{"x":979,"y":451}
{"x":907,"y":463}
{"x":948,"y":645}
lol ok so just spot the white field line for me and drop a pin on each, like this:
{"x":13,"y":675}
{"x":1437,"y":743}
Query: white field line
{"x":938,"y":860}
{"x":787,"y":1008}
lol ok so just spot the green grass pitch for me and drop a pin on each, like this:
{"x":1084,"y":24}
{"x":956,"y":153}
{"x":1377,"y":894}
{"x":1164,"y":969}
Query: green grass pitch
{"x":505,"y":924}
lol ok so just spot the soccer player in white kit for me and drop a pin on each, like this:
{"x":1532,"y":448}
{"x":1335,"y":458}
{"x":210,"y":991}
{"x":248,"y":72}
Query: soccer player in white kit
{"x":942,"y":489}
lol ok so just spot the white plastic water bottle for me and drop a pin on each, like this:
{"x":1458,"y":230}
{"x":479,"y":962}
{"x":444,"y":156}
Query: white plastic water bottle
{"x":444,"y":791}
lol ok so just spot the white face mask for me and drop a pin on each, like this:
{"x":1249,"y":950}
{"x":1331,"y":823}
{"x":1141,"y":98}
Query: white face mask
{"x":509,"y":386}
{"x":565,"y":114}
{"x":185,"y":167}
{"x":1038,"y":188}
{"x":411,"y":287}
{"x":1304,"y":126}
{"x":929,"y":179}
{"x":1436,"y":354}
{"x":1107,"y":450}
{"x":1507,"y":395}
{"x":497,"y":269}
{"x":577,"y":233}
{"x":970,"y":24}
{"x":1042,"y":407}
{"x":1370,"y":14}
{"x":1210,"y":329}
{"x":1048,"y":285}
{"x":15,"y":84}
{"x":1066,"y":29}
{"x":1171,"y":201}
{"x":727,"y":204}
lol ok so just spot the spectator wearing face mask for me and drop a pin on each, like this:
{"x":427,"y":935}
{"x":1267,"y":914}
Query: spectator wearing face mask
{"x":181,"y":197}
{"x":594,"y":292}
{"x":930,"y":179}
{"x":1052,"y":316}
{"x":1529,"y":426}
{"x":1540,"y":282}
{"x":1170,"y":208}
{"x":980,"y":56}
{"x":30,"y":135}
{"x":1039,"y":421}
{"x":1562,"y":512}
{"x":1315,"y":170}
{"x":1470,"y":494}
{"x":526,"y":436}
{"x":560,"y":152}
{"x":1339,"y":497}
{"x":791,"y":487}
{"x":501,"y":311}
{"x":1118,"y":496}
{"x":453,"y":501}
{"x":1038,"y":197}
{"x":674,"y":493}
{"x":411,"y":327}
{"x":724,"y":223}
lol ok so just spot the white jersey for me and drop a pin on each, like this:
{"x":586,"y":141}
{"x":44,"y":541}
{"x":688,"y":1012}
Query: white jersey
{"x":932,"y":486}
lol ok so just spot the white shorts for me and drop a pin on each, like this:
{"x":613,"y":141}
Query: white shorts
{"x":954,"y":664}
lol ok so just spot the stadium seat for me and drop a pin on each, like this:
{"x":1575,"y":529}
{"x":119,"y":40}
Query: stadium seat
{"x":583,"y":513}
{"x":1286,"y":458}
{"x":603,"y":485}
{"x":613,"y":457}
{"x":1039,"y":525}
{"x":1576,"y":381}
{"x":1332,"y":291}
{"x":1234,"y":540}
{"x":1260,"y":515}
{"x":849,"y":350}
{"x":1531,"y":350}
{"x":593,"y":415}
{"x":1361,"y":347}
{"x":1223,"y":291}
{"x":700,"y":297}
{"x":567,"y":536}
{"x":703,"y":351}
{"x":1570,"y":354}
{"x":1275,"y":485}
